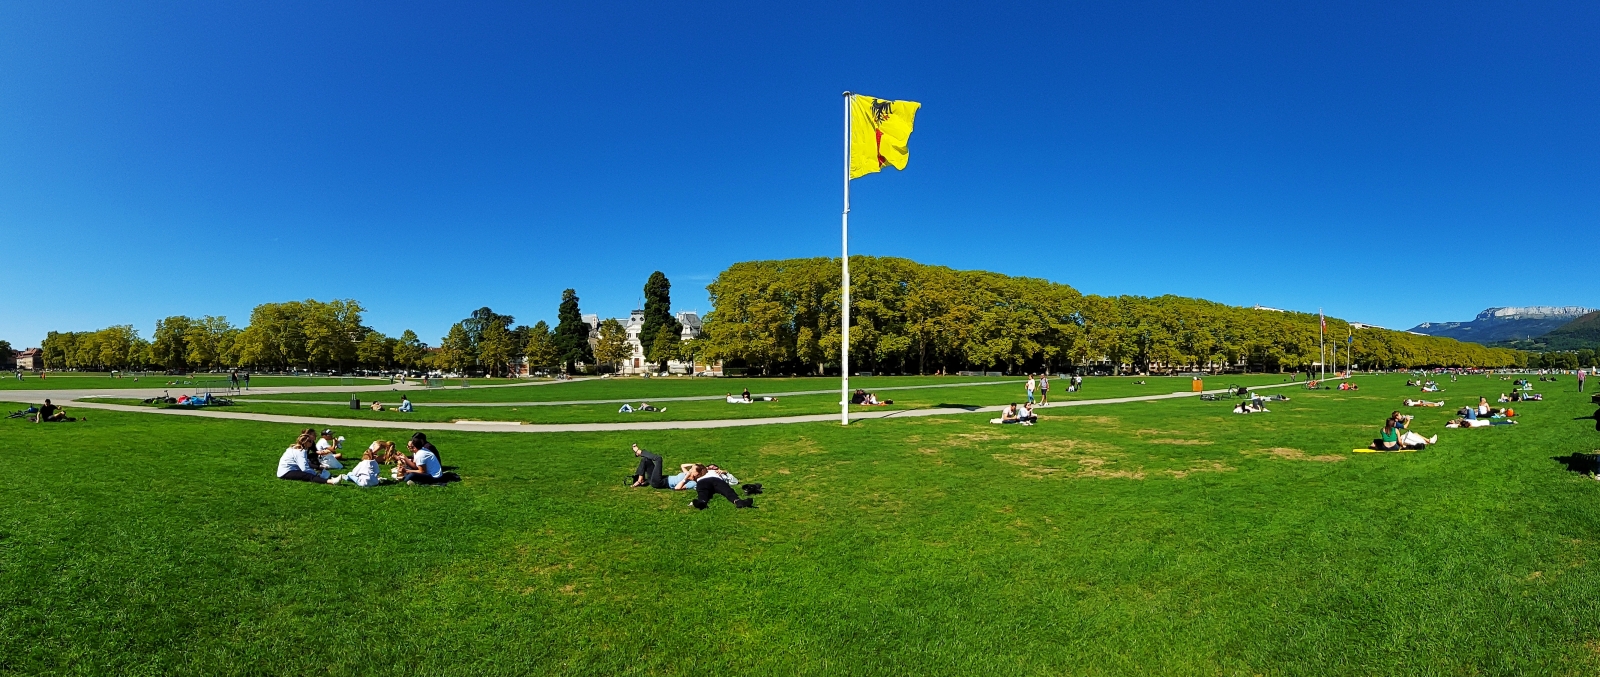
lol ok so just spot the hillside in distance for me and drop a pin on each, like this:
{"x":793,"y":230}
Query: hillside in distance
{"x":1583,"y":332}
{"x":1510,"y":323}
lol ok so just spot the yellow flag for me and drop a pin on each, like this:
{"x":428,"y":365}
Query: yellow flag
{"x":879,"y":131}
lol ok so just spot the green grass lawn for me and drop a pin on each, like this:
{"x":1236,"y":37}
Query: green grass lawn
{"x":890,"y":387}
{"x":88,"y":380}
{"x":608,"y":388}
{"x":695,"y":410}
{"x":1168,"y":537}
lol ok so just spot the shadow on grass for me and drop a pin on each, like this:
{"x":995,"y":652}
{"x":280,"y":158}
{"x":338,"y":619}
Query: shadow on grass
{"x":967,"y":407}
{"x":1581,"y":463}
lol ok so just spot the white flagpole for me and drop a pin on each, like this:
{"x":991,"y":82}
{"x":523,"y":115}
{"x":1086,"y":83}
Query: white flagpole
{"x":844,"y":314}
{"x":1322,"y":351}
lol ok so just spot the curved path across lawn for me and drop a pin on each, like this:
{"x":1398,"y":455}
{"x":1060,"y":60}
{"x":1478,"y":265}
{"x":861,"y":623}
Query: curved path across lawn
{"x":507,"y":427}
{"x":685,"y":398}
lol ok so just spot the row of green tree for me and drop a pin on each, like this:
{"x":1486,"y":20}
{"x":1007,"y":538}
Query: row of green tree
{"x":331,"y":336}
{"x":1567,"y":359}
{"x":906,"y":317}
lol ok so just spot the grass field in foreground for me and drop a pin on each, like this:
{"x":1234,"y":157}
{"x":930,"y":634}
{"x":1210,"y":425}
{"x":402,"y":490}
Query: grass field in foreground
{"x":89,"y":380}
{"x":1167,"y":537}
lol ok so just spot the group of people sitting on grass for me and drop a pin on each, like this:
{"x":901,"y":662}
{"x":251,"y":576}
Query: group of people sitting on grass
{"x":1482,"y":416}
{"x":1011,"y":414}
{"x":865,"y":398}
{"x":1397,"y":436}
{"x":310,"y":459}
{"x":705,"y":479}
{"x":746,"y":398}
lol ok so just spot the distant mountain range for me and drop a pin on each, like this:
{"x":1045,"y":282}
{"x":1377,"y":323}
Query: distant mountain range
{"x":1578,"y":334}
{"x":1499,"y":325}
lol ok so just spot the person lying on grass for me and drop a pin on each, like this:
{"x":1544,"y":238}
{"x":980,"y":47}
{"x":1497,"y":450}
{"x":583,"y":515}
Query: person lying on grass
{"x":692,"y":473}
{"x":367,"y":473}
{"x":1402,"y":423}
{"x":649,"y":470}
{"x":1349,"y":386}
{"x":1010,"y":415}
{"x":1422,"y":403}
{"x":745,"y":398}
{"x":643,"y":406}
{"x":1250,"y":407}
{"x":1390,"y":440}
{"x":50,"y":413}
{"x":707,"y":482}
{"x":377,"y":406}
{"x":298,"y":462}
{"x":1464,"y":422}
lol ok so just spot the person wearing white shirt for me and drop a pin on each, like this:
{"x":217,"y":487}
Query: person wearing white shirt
{"x":296,"y":464}
{"x":423,"y":466}
{"x":328,"y":449}
{"x":368,"y":472}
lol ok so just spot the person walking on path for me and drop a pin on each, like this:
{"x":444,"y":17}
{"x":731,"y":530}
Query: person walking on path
{"x":1044,"y":388}
{"x":1031,"y":385}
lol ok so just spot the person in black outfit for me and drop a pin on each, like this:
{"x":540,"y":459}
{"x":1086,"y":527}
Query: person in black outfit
{"x":50,"y":413}
{"x":708,"y":482}
{"x":706,"y":486}
{"x":649,"y":469}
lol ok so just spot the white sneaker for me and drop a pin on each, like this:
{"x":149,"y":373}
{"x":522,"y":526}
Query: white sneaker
{"x":1434,"y":439}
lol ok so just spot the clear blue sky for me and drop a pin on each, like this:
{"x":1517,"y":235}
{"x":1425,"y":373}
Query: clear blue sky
{"x":1391,"y":162}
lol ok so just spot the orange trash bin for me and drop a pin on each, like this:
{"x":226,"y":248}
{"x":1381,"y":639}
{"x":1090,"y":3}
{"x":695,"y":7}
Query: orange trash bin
{"x":1199,"y":385}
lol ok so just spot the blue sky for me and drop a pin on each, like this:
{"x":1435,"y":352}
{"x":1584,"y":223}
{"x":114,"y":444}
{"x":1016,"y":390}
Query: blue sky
{"x":1391,"y":162}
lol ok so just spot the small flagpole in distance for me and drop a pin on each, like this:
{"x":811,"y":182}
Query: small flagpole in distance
{"x":844,"y":314}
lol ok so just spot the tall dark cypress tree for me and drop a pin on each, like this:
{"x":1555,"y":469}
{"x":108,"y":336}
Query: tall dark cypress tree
{"x":572,"y":333}
{"x":657,"y":315}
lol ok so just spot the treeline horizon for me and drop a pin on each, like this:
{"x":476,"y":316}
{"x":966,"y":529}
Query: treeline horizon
{"x":318,"y":336}
{"x":782,"y":317}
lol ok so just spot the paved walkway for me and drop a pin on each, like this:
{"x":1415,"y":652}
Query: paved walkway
{"x":503,"y":427}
